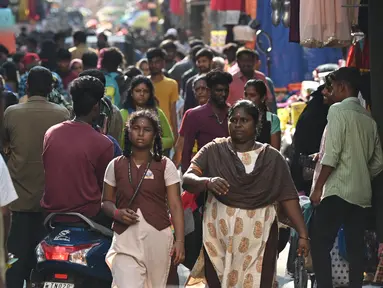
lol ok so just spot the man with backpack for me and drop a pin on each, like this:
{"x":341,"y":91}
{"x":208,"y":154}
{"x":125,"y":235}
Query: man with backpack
{"x":109,"y":61}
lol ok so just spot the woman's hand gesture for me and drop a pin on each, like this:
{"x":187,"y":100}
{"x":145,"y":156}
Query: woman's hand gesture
{"x":126,"y":216}
{"x":178,"y":252}
{"x":218,"y":186}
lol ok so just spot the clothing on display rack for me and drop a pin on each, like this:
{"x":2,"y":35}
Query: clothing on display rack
{"x":226,"y":12}
{"x":294,"y":21}
{"x":326,"y":23}
{"x":359,"y":55}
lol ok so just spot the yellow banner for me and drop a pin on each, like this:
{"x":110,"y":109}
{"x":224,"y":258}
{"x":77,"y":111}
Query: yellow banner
{"x":218,"y":39}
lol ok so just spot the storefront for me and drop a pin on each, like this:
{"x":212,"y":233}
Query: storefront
{"x":197,"y":19}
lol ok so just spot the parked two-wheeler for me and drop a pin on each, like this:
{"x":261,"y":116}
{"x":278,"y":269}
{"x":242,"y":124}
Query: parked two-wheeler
{"x":73,"y":254}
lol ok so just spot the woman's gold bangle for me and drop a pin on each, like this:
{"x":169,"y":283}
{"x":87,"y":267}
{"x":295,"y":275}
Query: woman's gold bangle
{"x":304,"y":238}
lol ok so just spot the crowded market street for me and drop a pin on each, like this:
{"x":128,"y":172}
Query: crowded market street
{"x":191,"y":143}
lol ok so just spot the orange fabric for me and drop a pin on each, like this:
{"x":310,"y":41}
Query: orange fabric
{"x":251,"y":9}
{"x":8,"y":39}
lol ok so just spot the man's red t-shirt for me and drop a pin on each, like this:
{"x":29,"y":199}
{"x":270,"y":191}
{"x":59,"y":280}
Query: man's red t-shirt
{"x":75,"y":158}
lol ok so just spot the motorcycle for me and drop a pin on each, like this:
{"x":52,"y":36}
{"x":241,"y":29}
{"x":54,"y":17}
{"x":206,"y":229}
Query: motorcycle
{"x":72,"y":255}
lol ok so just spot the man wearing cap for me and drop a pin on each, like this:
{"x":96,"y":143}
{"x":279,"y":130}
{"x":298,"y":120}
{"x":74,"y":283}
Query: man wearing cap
{"x":58,"y":93}
{"x":25,"y":125}
{"x":246,"y":60}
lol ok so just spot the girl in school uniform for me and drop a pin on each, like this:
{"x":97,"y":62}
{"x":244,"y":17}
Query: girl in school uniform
{"x":140,"y":188}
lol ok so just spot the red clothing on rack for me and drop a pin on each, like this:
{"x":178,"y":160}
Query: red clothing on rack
{"x":357,"y":57}
{"x":176,"y":7}
{"x":32,"y":10}
{"x":226,"y":5}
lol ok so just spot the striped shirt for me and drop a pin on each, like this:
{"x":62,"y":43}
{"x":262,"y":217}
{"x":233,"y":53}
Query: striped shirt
{"x":352,"y":147}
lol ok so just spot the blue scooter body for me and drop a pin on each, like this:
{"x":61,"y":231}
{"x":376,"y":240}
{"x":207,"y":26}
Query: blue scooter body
{"x":53,"y":267}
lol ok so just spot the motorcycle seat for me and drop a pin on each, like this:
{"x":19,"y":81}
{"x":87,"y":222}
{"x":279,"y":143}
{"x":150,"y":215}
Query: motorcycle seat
{"x":49,"y":223}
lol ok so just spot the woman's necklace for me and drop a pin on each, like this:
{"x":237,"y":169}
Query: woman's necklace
{"x":140,"y":182}
{"x":246,"y":156}
{"x":139,"y":108}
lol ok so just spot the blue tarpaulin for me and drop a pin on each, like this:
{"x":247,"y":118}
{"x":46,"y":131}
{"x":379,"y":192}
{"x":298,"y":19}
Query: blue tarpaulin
{"x":290,"y":62}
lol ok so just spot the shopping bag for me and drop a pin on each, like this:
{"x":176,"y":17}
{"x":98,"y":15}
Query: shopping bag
{"x":340,"y":267}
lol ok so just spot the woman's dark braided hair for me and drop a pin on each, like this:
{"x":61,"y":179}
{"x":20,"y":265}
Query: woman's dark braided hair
{"x":153,"y":119}
{"x":263,"y":130}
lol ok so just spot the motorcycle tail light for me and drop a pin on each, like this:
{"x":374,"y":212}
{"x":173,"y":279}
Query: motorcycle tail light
{"x":75,"y":254}
{"x":61,"y":276}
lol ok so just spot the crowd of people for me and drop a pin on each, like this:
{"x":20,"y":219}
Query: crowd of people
{"x":81,"y":131}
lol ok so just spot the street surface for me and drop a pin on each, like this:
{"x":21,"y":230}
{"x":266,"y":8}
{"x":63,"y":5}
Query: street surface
{"x":283,"y":280}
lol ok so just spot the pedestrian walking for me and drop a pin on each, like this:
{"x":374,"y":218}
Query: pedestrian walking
{"x":166,"y":89}
{"x":141,"y":95}
{"x":25,"y":126}
{"x":351,"y":156}
{"x":138,"y":189}
{"x":243,"y":180}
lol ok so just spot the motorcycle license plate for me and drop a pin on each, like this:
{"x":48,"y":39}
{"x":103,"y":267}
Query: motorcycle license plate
{"x":58,"y":285}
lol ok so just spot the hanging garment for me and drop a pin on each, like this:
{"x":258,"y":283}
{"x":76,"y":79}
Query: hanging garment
{"x":325,"y":23}
{"x":226,"y":12}
{"x":294,"y":21}
{"x":23,"y":11}
{"x":359,"y":55}
{"x":177,"y":7}
{"x":32,"y":10}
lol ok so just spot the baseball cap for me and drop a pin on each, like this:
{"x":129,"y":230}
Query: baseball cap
{"x":244,"y":50}
{"x":29,"y":58}
{"x":171,"y":32}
